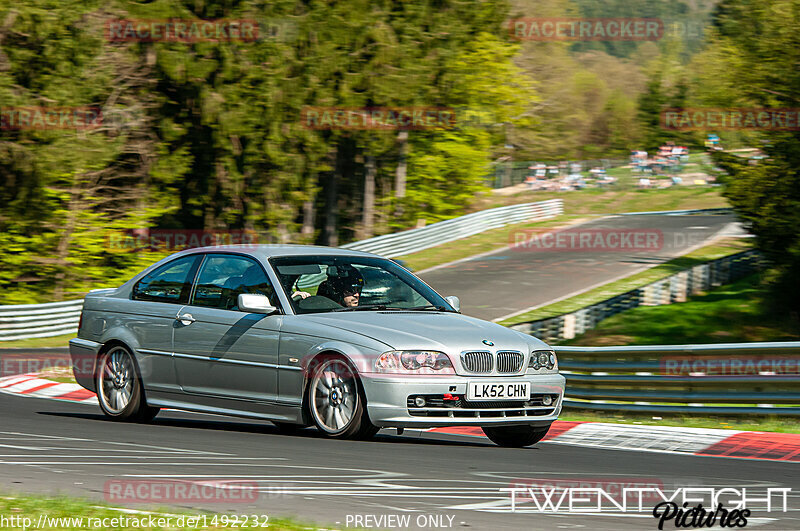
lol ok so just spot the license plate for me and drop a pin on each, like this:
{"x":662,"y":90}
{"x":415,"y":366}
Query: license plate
{"x":498,"y":391}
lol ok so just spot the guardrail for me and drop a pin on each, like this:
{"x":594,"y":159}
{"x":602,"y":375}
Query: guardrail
{"x":414,"y":240}
{"x":674,"y":288}
{"x":727,"y":378}
{"x":28,"y":321}
{"x":726,"y":210}
{"x":716,"y":379}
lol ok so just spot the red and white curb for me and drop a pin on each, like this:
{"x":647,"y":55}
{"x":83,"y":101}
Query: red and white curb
{"x":34,"y":386}
{"x":691,"y":441}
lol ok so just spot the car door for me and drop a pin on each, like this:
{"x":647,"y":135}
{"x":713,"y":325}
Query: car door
{"x":222,"y":352}
{"x":156,"y":300}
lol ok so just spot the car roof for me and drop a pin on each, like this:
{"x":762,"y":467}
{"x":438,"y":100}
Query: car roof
{"x":266,"y":251}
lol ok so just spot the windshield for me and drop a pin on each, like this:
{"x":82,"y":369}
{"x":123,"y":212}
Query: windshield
{"x":348,"y":283}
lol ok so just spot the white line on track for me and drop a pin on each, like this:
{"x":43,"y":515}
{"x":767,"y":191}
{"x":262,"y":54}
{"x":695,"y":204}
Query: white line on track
{"x":145,"y":457}
{"x":107,"y":463}
{"x":137,"y":445}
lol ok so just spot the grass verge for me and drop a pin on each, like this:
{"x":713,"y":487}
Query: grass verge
{"x":39,"y":342}
{"x":698,"y":256}
{"x":62,"y":513}
{"x":745,"y":423}
{"x":616,"y":199}
{"x":737,"y":312}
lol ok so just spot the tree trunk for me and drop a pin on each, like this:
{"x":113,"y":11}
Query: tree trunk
{"x":329,"y":235}
{"x":402,"y":168}
{"x":65,"y":239}
{"x":368,"y":216}
{"x":308,"y":217}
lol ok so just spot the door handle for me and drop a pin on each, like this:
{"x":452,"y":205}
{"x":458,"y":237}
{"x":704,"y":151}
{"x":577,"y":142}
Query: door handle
{"x":186,"y":319}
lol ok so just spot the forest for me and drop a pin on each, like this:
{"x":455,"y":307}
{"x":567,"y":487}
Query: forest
{"x":210,"y":131}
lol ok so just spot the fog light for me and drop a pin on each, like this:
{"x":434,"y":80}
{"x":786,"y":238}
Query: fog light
{"x":547,"y":400}
{"x":419,"y":402}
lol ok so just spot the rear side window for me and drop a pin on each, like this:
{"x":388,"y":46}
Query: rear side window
{"x":171,"y":282}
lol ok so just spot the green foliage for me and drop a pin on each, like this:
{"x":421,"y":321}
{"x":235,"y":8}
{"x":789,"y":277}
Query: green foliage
{"x":733,"y":313}
{"x":755,"y":62}
{"x":208,"y":135}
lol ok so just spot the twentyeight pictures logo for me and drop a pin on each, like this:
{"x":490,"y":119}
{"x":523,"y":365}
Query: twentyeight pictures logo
{"x":586,"y":29}
{"x":182,"y":30}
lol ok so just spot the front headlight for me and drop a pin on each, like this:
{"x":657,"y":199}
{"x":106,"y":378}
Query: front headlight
{"x":416,"y":361}
{"x":542,"y":359}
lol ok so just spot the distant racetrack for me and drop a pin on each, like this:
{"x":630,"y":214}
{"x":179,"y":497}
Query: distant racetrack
{"x":502,"y":283}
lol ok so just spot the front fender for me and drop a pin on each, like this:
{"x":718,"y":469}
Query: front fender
{"x":362,"y":359}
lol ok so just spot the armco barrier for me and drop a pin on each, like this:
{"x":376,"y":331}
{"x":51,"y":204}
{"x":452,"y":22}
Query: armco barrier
{"x":679,"y":212}
{"x":29,"y":321}
{"x":723,"y":379}
{"x":674,"y":288}
{"x":728,"y":378}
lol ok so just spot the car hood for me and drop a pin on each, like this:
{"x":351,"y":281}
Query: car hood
{"x":414,"y":330}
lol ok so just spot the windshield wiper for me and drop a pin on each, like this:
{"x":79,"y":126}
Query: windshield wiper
{"x":361,"y":308}
{"x":431,"y":307}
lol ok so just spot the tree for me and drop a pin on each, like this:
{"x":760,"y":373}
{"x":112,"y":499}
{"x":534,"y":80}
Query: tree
{"x":755,"y":51}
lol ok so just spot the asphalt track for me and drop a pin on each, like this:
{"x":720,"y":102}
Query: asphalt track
{"x":514,"y":279}
{"x":51,"y":447}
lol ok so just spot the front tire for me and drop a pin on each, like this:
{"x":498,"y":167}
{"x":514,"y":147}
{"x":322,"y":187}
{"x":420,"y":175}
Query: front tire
{"x":119,"y":387}
{"x":336,"y":402}
{"x":515,"y":436}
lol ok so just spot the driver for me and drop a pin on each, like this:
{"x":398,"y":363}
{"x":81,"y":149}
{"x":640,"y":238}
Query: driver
{"x":343,"y":285}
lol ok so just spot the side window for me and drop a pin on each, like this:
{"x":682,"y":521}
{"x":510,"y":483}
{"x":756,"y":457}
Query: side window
{"x":171,"y":282}
{"x":223,"y":277}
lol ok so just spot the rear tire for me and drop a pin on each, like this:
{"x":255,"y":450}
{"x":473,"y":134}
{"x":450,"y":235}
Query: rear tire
{"x":336,"y":401}
{"x":119,"y":387}
{"x":515,"y":436}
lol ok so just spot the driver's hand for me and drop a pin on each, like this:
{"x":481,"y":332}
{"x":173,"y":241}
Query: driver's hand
{"x":300,"y":294}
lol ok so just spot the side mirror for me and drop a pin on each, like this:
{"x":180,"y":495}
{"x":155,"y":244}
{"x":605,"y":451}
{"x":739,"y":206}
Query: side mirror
{"x":453,"y":301}
{"x":255,"y":303}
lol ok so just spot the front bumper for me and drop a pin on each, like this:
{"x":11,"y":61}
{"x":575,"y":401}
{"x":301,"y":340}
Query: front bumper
{"x":387,"y":401}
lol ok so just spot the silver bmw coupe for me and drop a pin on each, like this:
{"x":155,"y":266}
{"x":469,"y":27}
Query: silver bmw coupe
{"x":299,"y":335}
